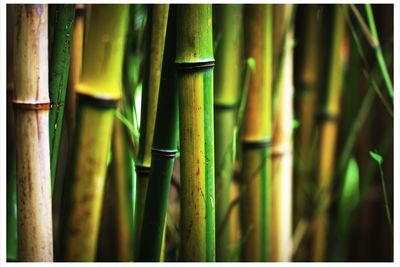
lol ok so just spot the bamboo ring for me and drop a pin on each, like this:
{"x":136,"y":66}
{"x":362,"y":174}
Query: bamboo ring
{"x":97,"y":101}
{"x":31,"y":105}
{"x":247,"y":144}
{"x":142,"y":171}
{"x":163,"y":153}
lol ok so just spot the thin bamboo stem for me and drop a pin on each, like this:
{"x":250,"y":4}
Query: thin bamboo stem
{"x":328,"y":132}
{"x":257,"y":134}
{"x":12,"y":225}
{"x":282,"y":159}
{"x":195,"y":61}
{"x":157,"y":27}
{"x":31,"y":104}
{"x":226,"y":98}
{"x":163,"y":153}
{"x":122,"y":184}
{"x":75,"y":69}
{"x":98,"y":93}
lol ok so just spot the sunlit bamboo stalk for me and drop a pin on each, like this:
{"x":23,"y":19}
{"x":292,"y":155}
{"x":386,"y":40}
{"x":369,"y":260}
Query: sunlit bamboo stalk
{"x":32,"y":104}
{"x":98,"y":92}
{"x":195,"y":62}
{"x":282,"y":159}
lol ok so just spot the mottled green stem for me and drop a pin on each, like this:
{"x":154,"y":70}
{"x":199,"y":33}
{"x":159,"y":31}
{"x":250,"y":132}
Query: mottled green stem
{"x":58,"y":75}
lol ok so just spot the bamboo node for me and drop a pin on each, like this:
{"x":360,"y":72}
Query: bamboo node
{"x":225,"y":106}
{"x":281,"y":150}
{"x":194,"y":66}
{"x":31,"y":105}
{"x":255,"y":144}
{"x":326,"y":116}
{"x":97,"y":101}
{"x":163,"y":153}
{"x":142,"y":171}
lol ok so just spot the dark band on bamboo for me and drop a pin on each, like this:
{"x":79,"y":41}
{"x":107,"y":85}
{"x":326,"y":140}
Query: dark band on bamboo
{"x":280,"y":152}
{"x":256,"y":144}
{"x":163,"y":153}
{"x":225,"y":106}
{"x":26,"y":105}
{"x":97,"y":101}
{"x":142,"y":171}
{"x":194,"y":66}
{"x":326,"y":116}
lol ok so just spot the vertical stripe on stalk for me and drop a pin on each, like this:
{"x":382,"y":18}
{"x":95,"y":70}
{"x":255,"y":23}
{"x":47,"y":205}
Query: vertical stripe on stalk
{"x":209,"y":161}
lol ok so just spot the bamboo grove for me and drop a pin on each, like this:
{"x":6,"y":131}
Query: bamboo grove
{"x":199,"y":132}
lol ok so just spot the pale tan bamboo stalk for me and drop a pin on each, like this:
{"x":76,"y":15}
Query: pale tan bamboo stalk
{"x":281,"y":194}
{"x":31,"y":104}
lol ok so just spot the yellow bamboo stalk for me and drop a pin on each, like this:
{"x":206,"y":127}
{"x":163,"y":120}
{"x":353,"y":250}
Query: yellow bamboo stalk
{"x":99,"y":90}
{"x":281,"y":184}
{"x":32,"y":103}
{"x":75,"y":68}
{"x":328,"y":132}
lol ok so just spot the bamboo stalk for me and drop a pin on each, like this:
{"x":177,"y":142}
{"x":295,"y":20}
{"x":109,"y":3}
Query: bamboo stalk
{"x":163,"y":154}
{"x":31,"y":104}
{"x":281,"y":184}
{"x":58,"y":74}
{"x":98,"y":93}
{"x":122,"y":184}
{"x":307,"y":83}
{"x":75,"y":69}
{"x":257,"y":134}
{"x":226,"y":98}
{"x":158,"y":15}
{"x":328,"y":132}
{"x":12,"y":225}
{"x":195,"y":61}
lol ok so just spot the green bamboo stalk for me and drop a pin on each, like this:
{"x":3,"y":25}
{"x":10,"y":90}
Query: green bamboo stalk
{"x":257,"y":130}
{"x":226,"y":98}
{"x":328,"y":131}
{"x":378,"y":51}
{"x":163,"y":153}
{"x":157,"y":26}
{"x":58,"y":75}
{"x":307,"y":81}
{"x":195,"y":61}
{"x":98,"y":93}
{"x":31,"y":104}
{"x":12,"y":234}
{"x":281,"y":150}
